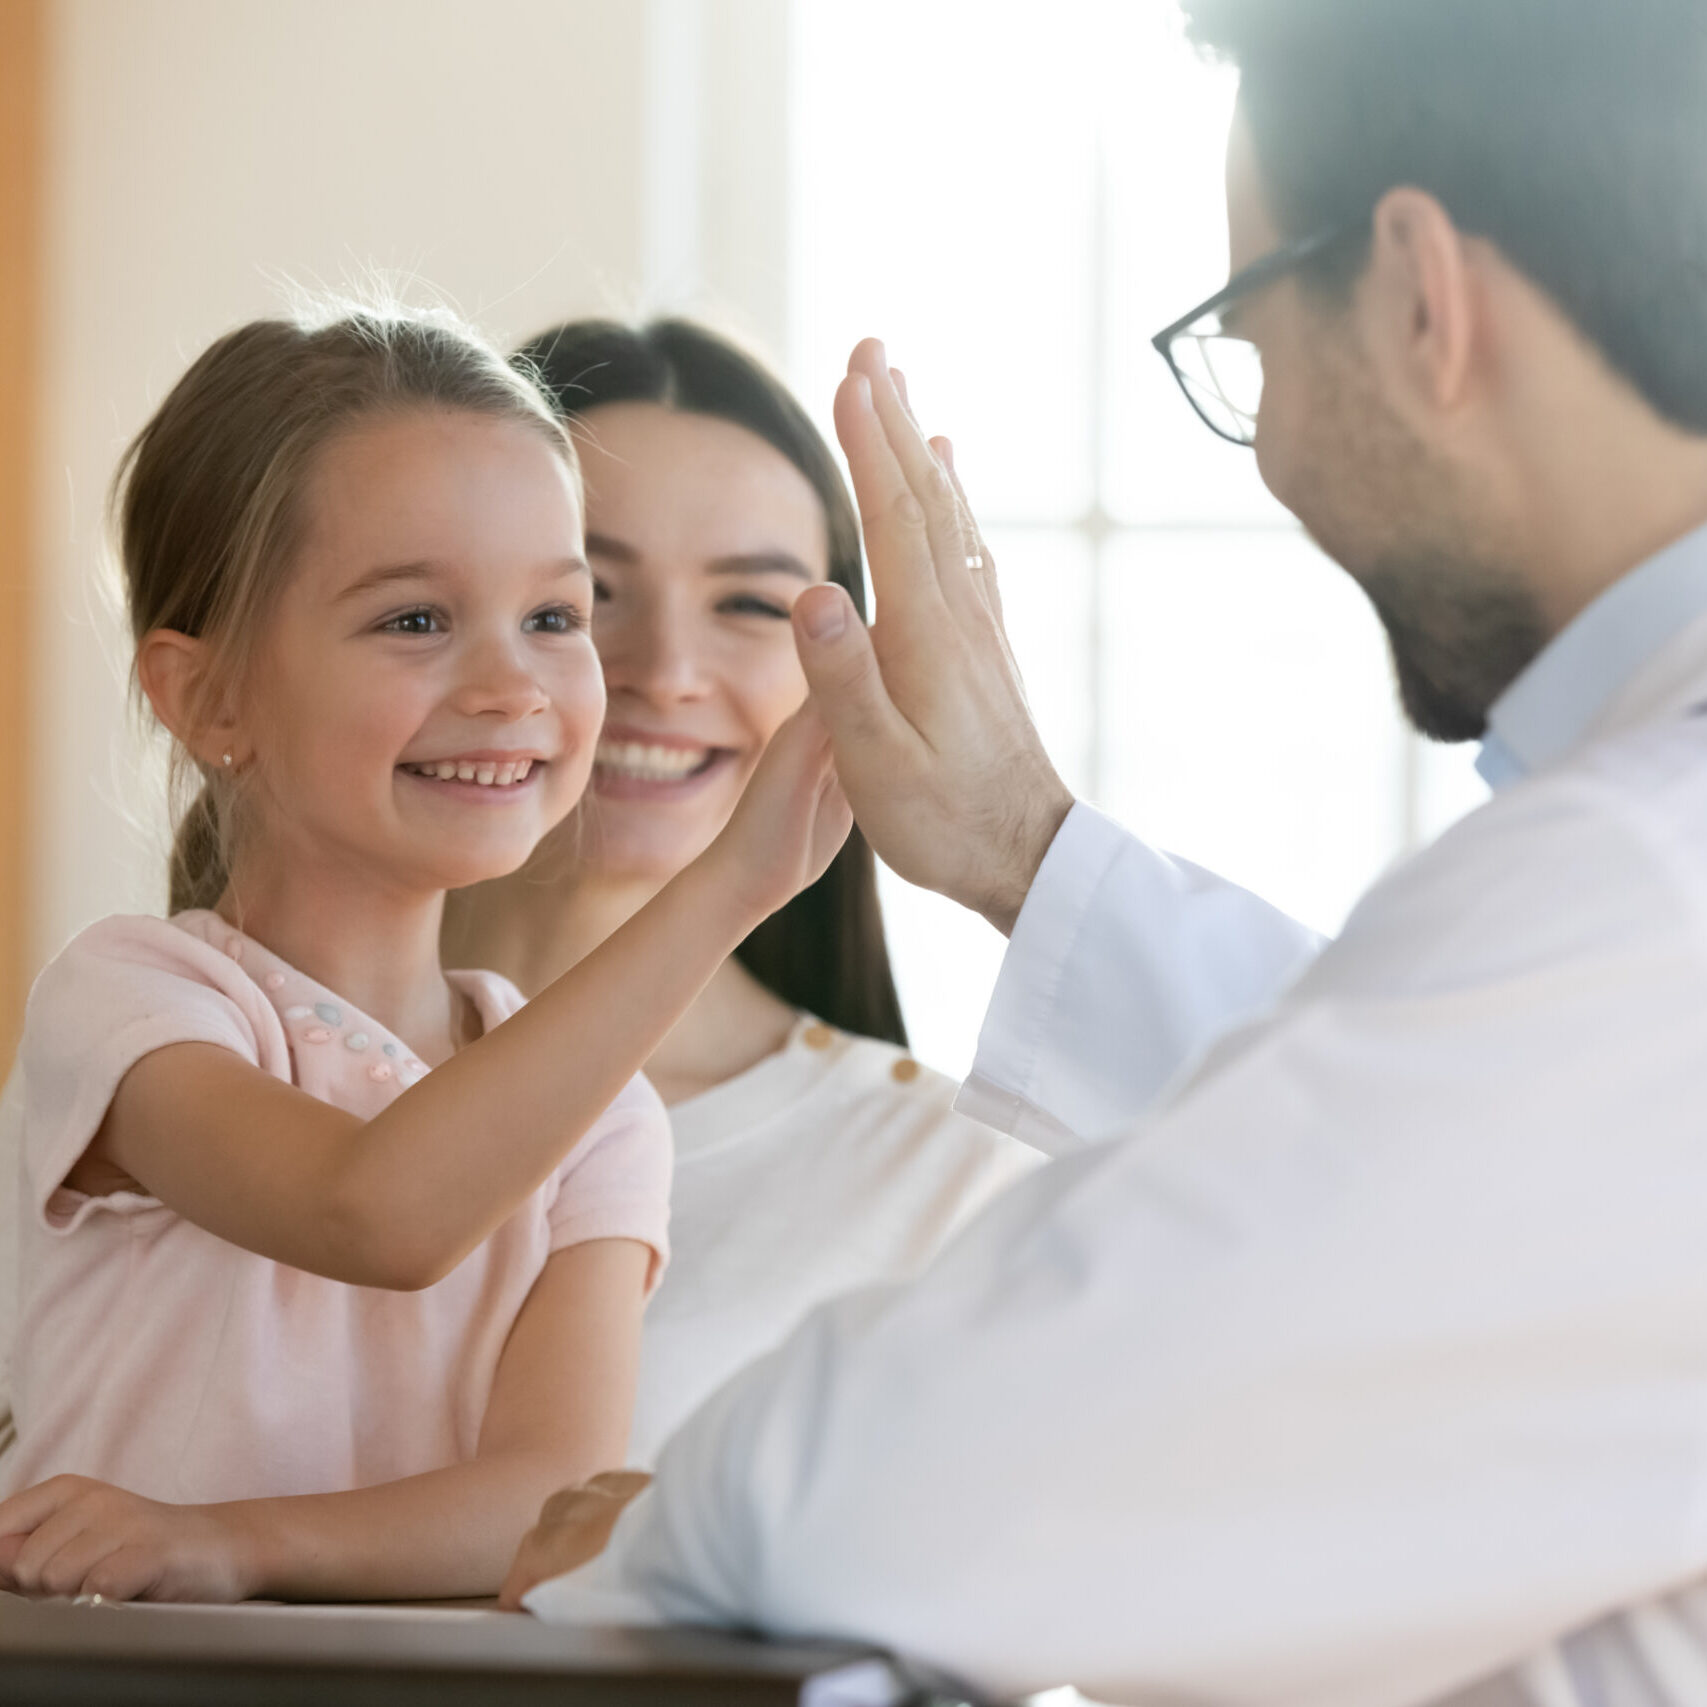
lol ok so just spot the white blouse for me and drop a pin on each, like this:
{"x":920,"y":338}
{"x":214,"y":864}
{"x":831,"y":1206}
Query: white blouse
{"x":836,"y":1162}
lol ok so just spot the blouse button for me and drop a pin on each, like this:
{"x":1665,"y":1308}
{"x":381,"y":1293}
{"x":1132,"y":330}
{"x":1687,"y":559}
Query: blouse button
{"x":379,"y":1072}
{"x":317,"y":1034}
{"x":905,"y":1071}
{"x":299,"y":1012}
{"x":390,"y":1049}
{"x":817,"y":1037}
{"x":274,"y":980}
{"x":357,"y":1040}
{"x":330,"y":1014}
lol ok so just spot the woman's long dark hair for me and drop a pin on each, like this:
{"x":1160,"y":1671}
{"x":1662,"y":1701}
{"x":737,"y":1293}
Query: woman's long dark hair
{"x":824,"y":951}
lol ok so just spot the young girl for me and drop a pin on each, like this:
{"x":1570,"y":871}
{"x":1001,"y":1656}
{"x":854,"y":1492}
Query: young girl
{"x":334,"y":1262}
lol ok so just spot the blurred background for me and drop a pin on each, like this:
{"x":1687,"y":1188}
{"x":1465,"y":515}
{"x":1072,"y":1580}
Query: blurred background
{"x":1015,"y":197}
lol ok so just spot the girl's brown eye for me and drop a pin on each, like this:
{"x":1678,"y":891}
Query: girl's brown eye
{"x":412,"y":622}
{"x":557,"y":619}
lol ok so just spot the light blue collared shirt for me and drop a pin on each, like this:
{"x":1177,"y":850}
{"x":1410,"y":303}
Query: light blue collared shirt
{"x":1546,"y":711}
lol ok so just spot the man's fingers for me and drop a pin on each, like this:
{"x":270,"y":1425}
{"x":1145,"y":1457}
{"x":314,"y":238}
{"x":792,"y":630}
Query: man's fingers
{"x":624,"y":1484}
{"x":983,"y":565}
{"x":897,"y":540}
{"x":842,"y":672}
{"x":948,"y":524}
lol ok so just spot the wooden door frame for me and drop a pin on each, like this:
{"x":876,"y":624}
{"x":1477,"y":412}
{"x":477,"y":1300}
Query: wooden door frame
{"x":23,"y":78}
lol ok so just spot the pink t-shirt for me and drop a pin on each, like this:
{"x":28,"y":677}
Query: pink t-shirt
{"x":153,"y":1354}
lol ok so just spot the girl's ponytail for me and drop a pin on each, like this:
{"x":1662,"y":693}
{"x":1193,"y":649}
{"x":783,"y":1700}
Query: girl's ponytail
{"x":198,"y":871}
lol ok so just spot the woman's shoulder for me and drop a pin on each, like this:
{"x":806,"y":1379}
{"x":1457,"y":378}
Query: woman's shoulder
{"x":838,"y":1091}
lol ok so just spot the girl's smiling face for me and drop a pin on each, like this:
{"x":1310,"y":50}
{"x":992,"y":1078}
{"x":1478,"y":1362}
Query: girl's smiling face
{"x":425,"y":702}
{"x":701,"y":536}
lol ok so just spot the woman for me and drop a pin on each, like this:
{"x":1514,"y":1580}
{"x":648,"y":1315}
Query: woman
{"x":813,"y":1155}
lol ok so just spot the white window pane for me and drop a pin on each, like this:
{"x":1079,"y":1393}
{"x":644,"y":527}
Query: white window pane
{"x":946,"y":960}
{"x":1446,"y":785}
{"x":1166,"y":251}
{"x":945,"y":194}
{"x":1249,"y":718}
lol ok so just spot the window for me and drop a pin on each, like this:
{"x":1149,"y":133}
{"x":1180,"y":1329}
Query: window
{"x":1016,"y":197}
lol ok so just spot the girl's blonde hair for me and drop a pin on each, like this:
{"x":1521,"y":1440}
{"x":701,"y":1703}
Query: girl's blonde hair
{"x":208,"y":501}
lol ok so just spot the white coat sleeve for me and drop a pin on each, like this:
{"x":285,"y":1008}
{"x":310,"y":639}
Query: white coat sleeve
{"x":1125,"y":964}
{"x":1371,"y":1366}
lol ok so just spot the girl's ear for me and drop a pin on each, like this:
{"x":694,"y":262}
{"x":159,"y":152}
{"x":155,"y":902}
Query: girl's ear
{"x":172,"y":669}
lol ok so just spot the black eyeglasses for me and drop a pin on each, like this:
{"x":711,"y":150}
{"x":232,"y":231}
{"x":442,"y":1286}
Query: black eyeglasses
{"x":1219,"y":371}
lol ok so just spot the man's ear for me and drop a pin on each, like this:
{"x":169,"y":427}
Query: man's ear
{"x":1425,"y":300}
{"x":172,"y":669}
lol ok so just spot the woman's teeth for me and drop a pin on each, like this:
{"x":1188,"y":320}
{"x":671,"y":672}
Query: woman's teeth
{"x":475,"y":770}
{"x":648,"y":763}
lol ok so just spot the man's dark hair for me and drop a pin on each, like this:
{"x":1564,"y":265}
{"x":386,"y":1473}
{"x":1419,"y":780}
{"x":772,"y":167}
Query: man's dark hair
{"x":1572,"y":134}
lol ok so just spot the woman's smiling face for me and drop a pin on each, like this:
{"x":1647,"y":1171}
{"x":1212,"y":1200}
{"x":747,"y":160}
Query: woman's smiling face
{"x":701,"y":536}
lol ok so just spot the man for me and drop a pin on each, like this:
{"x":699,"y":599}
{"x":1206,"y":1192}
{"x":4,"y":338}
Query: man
{"x":1373,"y":1367}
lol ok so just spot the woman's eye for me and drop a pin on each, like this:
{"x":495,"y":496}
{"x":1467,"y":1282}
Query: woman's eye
{"x":555,"y":619}
{"x":750,"y":604}
{"x":413,"y":622}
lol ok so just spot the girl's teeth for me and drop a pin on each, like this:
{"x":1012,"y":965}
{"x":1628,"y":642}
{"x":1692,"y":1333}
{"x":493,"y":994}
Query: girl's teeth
{"x":488,"y":775}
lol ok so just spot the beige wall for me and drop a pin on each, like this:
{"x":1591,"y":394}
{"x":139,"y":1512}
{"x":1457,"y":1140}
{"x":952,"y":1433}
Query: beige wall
{"x":22,"y":66}
{"x":528,"y":158}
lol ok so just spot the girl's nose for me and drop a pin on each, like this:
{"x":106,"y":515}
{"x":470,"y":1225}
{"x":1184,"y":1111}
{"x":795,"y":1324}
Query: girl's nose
{"x":497,"y":683}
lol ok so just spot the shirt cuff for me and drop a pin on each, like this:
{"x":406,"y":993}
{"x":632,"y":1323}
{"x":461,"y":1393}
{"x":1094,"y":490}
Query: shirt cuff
{"x":1001,"y":1089}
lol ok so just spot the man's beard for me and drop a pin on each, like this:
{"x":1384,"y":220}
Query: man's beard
{"x":1461,"y":623}
{"x":1460,"y":633}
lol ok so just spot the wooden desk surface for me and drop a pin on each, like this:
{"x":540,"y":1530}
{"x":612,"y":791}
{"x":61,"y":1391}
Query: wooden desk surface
{"x":55,"y":1654}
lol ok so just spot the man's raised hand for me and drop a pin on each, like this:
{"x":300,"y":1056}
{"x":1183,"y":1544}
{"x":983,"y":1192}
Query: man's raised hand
{"x":934,"y":743}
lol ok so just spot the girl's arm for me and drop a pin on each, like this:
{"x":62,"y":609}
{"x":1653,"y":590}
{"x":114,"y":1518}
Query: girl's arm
{"x":401,"y":1199}
{"x":558,"y":1413}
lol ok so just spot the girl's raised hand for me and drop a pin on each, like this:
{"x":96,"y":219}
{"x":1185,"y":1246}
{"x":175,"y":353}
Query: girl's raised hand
{"x":70,"y":1535}
{"x":790,"y":822}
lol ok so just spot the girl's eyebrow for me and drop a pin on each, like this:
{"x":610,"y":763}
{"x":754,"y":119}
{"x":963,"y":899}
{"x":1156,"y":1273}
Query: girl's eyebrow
{"x":384,"y":576}
{"x":387,"y":574}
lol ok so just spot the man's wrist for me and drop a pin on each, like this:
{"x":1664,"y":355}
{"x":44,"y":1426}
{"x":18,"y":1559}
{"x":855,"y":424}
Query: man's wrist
{"x":1029,"y":846}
